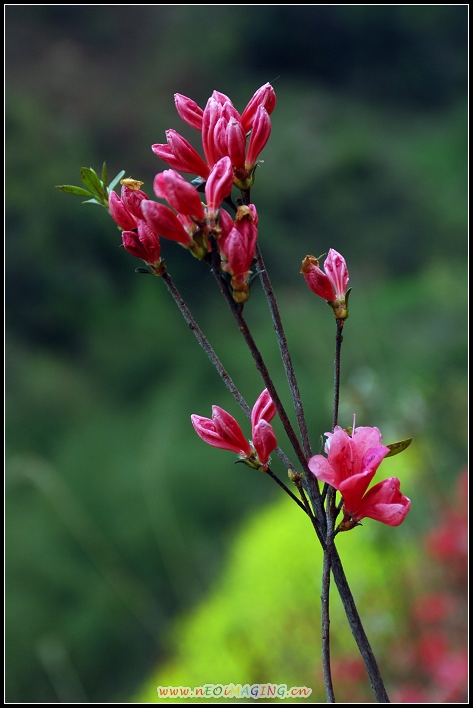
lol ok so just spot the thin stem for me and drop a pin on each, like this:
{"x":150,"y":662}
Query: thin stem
{"x":284,"y":349}
{"x":331,"y":513}
{"x":336,"y":388}
{"x":325,"y":598}
{"x":204,"y":343}
{"x":260,"y":365}
{"x":357,"y":628}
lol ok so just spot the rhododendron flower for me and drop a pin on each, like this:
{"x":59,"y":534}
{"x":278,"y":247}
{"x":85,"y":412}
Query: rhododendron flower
{"x":143,"y":243}
{"x":224,"y":432}
{"x":350,"y":466}
{"x":332,"y":284}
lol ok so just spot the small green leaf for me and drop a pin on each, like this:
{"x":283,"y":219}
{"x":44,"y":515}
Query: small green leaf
{"x":397,"y":447}
{"x":90,"y":178}
{"x":115,"y":180}
{"x":104,"y":175}
{"x":70,"y":189}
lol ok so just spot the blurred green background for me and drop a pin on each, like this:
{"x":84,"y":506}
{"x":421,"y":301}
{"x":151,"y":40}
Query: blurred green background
{"x":119,"y":519}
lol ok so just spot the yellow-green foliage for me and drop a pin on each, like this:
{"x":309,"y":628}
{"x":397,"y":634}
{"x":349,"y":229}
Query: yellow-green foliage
{"x":261,"y":621}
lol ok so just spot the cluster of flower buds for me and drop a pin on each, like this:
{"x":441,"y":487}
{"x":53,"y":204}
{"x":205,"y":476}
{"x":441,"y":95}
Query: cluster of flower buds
{"x":187,"y":220}
{"x":331,"y":285}
{"x":224,"y":134}
{"x":350,"y":466}
{"x":223,"y":431}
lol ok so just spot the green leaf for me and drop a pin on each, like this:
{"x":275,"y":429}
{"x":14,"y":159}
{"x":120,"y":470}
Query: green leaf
{"x":397,"y":447}
{"x":90,"y":178}
{"x":104,"y":175}
{"x":115,"y":180}
{"x":70,"y":189}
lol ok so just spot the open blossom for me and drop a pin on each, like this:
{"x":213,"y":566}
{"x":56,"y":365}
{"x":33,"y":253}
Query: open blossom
{"x":332,"y":284}
{"x":350,"y":466}
{"x":223,"y":431}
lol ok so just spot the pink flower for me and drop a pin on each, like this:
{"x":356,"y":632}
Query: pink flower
{"x":350,"y":466}
{"x":224,"y":432}
{"x":332,"y":284}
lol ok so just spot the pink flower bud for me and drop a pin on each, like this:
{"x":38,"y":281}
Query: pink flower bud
{"x":331,"y":285}
{"x":265,"y":97}
{"x":132,"y":199}
{"x":336,"y":268}
{"x":264,"y":441}
{"x":144,"y":244}
{"x":212,"y":112}
{"x":264,"y":409}
{"x":240,"y":246}
{"x":181,"y":195}
{"x":189,"y":111}
{"x":220,"y":139}
{"x":236,"y":143}
{"x":164,"y":221}
{"x":120,"y":213}
{"x":218,"y":186}
{"x":260,"y":133}
{"x":184,"y":157}
{"x":222,"y":431}
{"x":220,"y":97}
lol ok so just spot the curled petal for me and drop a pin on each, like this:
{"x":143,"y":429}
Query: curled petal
{"x":264,"y":96}
{"x":260,"y":133}
{"x":219,"y":184}
{"x":229,"y":430}
{"x":165,"y":222}
{"x":120,"y":213}
{"x":323,"y":470}
{"x":189,"y":111}
{"x":264,"y":409}
{"x":132,"y":199}
{"x":180,"y":155}
{"x":384,"y":502}
{"x":336,"y":268}
{"x":212,"y":112}
{"x":316,"y":279}
{"x":236,"y":142}
{"x":353,"y":488}
{"x":180,"y":194}
{"x":264,"y":440}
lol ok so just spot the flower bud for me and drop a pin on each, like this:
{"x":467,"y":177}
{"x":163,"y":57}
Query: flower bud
{"x":264,"y":96}
{"x":181,"y":195}
{"x":189,"y":111}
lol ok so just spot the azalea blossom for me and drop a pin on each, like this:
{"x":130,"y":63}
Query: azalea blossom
{"x":350,"y":466}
